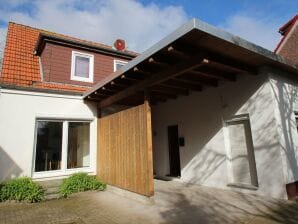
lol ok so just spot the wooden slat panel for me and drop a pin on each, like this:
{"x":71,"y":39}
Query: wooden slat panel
{"x":124,"y":156}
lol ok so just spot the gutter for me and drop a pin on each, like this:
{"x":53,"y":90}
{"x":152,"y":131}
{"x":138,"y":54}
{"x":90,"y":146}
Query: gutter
{"x":40,"y":90}
{"x":43,"y":38}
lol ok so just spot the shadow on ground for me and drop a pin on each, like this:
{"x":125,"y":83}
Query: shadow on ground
{"x":194,"y":204}
{"x":174,"y":202}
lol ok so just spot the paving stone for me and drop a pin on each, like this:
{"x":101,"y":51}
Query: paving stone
{"x":174,"y":202}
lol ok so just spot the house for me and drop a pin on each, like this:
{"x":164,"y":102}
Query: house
{"x":43,"y":78}
{"x":200,"y":106}
{"x":288,"y":45}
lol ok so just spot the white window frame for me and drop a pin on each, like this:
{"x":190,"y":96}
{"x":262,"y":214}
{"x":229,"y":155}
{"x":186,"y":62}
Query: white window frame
{"x":231,"y":182}
{"x":73,"y":63}
{"x":116,"y":61}
{"x":64,"y":171}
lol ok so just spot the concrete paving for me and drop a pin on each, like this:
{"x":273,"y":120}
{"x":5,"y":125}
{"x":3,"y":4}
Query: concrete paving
{"x":173,"y":202}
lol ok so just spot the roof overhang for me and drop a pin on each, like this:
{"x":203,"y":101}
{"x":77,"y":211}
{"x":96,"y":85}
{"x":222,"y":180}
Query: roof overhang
{"x":55,"y":39}
{"x":192,"y":57}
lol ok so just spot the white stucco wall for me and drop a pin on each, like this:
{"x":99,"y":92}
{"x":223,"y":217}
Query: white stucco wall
{"x":285,"y":96}
{"x":200,"y":119}
{"x":18,"y":113}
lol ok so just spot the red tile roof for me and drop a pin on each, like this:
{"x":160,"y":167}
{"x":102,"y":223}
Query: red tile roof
{"x":21,"y":67}
{"x":285,"y":30}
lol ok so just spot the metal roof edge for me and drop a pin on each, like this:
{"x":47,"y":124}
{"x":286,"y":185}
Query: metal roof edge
{"x":182,"y":30}
{"x":238,"y":41}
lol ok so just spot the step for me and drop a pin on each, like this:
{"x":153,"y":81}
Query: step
{"x":51,"y":190}
{"x":50,"y":183}
{"x":51,"y":196}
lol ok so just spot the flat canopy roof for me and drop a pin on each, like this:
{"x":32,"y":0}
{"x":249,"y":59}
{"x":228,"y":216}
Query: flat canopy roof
{"x":194,"y":56}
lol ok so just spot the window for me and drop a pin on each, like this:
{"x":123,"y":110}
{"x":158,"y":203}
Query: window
{"x":62,"y":145}
{"x":78,"y":145}
{"x":82,"y":67}
{"x":48,"y":146}
{"x":118,"y":64}
{"x":241,"y":152}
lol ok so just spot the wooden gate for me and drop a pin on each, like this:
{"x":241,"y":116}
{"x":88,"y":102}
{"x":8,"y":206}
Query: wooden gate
{"x":124,"y":150}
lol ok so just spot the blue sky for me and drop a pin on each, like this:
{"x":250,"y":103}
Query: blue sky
{"x":215,"y":11}
{"x":142,"y":23}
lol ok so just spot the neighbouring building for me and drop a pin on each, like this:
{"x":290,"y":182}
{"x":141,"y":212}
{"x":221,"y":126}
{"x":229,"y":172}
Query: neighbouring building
{"x":288,"y":45}
{"x":200,"y":106}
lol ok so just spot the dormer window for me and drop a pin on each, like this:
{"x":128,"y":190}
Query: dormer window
{"x":82,"y":67}
{"x":118,"y":64}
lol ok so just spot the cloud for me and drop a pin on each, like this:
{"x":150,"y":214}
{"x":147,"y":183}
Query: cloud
{"x":141,"y":25}
{"x":2,"y":40}
{"x":261,"y":31}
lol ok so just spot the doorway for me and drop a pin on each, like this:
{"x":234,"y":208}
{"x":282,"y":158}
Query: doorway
{"x":174,"y":154}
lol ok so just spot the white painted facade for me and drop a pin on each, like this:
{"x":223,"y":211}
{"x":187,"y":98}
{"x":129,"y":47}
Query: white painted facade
{"x":285,"y":94}
{"x":267,"y":99}
{"x":19,"y":111}
{"x":201,"y":120}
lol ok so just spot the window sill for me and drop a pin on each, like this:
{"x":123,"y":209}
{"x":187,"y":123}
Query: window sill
{"x":243,"y":186}
{"x":80,"y":79}
{"x":60,"y":173}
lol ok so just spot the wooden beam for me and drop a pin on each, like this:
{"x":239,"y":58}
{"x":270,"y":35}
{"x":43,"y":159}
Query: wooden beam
{"x":138,"y":70}
{"x":198,"y":80}
{"x":215,"y":59}
{"x":157,"y":62}
{"x":92,"y":97}
{"x":178,"y":84}
{"x":230,"y":65}
{"x":159,"y":77}
{"x":99,"y":93}
{"x":214,"y":74}
{"x":95,"y":97}
{"x":113,"y":83}
{"x":131,"y":78}
{"x":170,"y":90}
{"x":171,"y":49}
{"x":164,"y":94}
{"x":107,"y":90}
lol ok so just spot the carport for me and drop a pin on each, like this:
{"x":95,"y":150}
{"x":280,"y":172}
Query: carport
{"x":193,"y":58}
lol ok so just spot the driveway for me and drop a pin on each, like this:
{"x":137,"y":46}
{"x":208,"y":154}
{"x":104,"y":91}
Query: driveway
{"x":173,"y":202}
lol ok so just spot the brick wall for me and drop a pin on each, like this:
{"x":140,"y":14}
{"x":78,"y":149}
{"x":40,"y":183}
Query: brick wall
{"x":56,"y":65}
{"x":289,"y":48}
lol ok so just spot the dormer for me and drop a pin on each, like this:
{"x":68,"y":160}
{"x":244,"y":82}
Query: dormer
{"x":77,"y":62}
{"x":42,"y":60}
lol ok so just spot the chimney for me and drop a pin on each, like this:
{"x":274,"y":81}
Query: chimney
{"x":119,"y":44}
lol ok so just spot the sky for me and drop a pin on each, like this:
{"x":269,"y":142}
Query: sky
{"x":144,"y":22}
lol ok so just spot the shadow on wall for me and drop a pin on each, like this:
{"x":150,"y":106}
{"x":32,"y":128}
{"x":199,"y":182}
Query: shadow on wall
{"x":8,"y":168}
{"x":285,"y":94}
{"x":210,"y":206}
{"x":92,"y":106}
{"x":201,"y":159}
